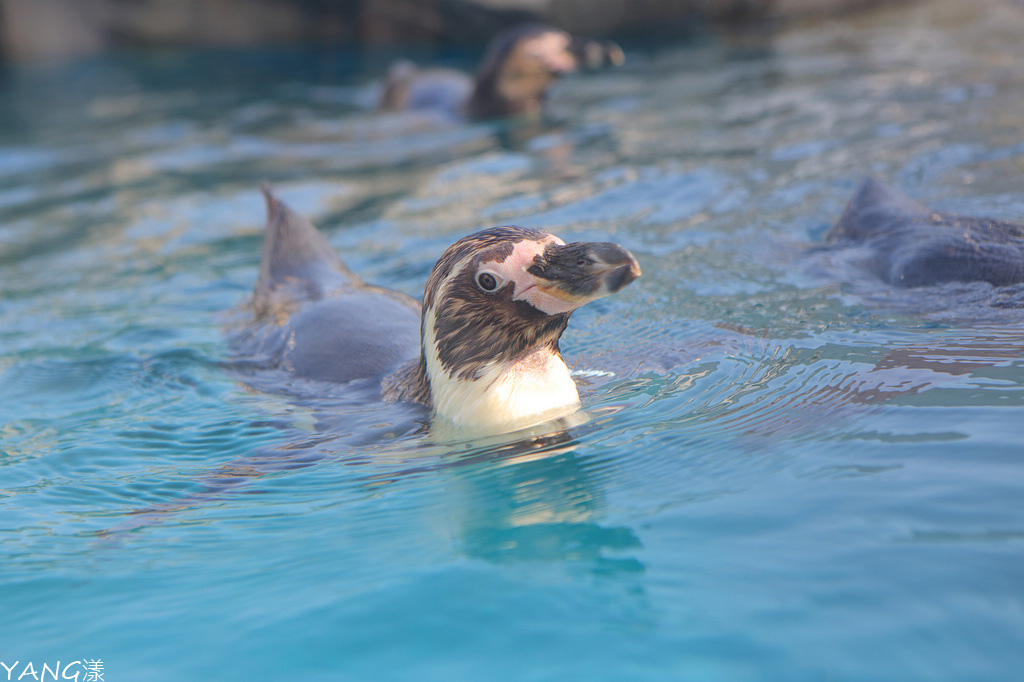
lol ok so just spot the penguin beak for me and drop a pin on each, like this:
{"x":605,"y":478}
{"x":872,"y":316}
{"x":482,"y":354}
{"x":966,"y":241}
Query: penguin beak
{"x":594,"y":54}
{"x":577,"y":273}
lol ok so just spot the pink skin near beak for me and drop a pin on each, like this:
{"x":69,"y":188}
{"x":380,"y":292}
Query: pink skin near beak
{"x":553,"y":51}
{"x":549,"y":295}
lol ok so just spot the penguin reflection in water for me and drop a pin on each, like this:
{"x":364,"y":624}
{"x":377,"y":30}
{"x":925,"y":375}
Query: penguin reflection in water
{"x":481,"y":352}
{"x":520,"y":64}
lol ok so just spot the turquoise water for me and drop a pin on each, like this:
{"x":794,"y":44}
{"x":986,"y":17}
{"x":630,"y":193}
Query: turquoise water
{"x":791,"y":472}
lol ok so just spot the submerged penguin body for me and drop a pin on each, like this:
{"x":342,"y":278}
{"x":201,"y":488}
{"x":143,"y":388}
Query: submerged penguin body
{"x":408,"y":87}
{"x":313,"y":318}
{"x":908,"y":245}
{"x":320,"y":341}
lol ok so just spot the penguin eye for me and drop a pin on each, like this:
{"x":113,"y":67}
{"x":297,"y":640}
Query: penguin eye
{"x":486,"y":281}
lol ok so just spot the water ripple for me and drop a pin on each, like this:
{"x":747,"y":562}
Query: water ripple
{"x":772,"y":444}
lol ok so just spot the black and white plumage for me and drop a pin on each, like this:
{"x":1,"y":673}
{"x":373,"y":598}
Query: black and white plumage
{"x":907,"y":244}
{"x":484,"y":352}
{"x":520,"y":64}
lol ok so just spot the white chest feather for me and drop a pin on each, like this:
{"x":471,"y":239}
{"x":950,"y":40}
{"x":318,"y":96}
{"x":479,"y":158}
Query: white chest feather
{"x":529,"y":392}
{"x":505,"y":397}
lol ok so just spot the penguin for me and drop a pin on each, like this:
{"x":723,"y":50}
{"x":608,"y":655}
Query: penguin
{"x":520,"y":64}
{"x":481,"y":352}
{"x":909,"y":245}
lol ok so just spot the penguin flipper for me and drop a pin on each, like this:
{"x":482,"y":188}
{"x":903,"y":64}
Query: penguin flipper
{"x":873,"y":209}
{"x":295,"y":254}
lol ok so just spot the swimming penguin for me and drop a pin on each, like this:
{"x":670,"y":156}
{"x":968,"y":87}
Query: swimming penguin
{"x":520,"y":64}
{"x":909,"y":245}
{"x":482,"y":350}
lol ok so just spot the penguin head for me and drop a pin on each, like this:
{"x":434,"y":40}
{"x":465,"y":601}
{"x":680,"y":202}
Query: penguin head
{"x":502,"y":297}
{"x":518,"y":68}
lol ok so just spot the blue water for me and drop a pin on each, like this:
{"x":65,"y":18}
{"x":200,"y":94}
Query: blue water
{"x":791,"y":472}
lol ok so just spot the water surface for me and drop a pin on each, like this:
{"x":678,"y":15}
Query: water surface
{"x":791,"y":473}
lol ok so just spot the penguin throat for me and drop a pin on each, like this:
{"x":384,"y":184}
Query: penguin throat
{"x":484,"y":385}
{"x":506,"y":396}
{"x":491,"y":378}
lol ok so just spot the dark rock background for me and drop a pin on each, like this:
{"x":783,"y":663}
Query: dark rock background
{"x":58,"y":28}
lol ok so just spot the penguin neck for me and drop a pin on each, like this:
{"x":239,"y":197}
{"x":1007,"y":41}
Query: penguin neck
{"x":505,"y":93}
{"x":505,"y":396}
{"x":530,"y":390}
